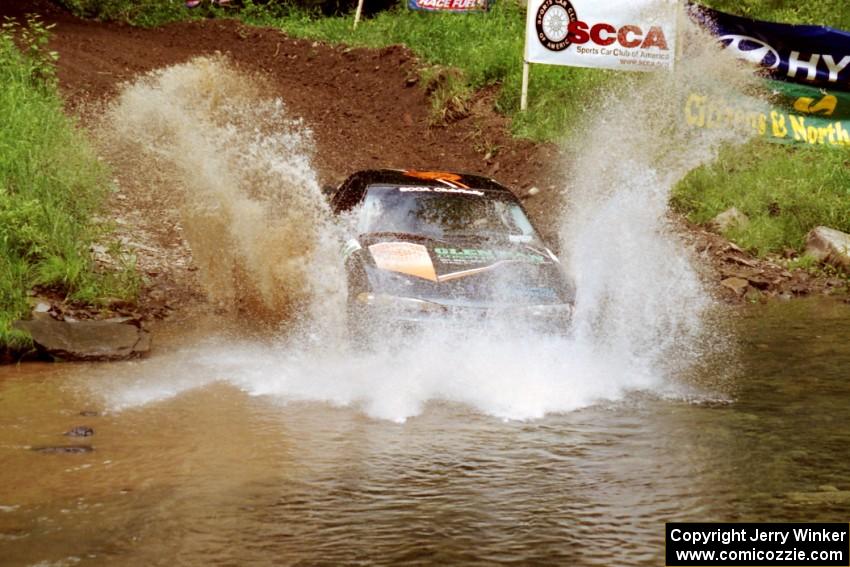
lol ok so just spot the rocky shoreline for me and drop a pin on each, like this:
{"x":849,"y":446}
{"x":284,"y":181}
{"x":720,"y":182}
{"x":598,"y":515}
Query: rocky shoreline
{"x":737,"y":276}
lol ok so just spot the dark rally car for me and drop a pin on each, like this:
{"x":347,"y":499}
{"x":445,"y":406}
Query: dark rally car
{"x":434,"y":246}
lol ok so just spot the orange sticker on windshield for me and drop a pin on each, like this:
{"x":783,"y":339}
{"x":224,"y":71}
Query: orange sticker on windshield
{"x":444,"y":176}
{"x":405,"y":258}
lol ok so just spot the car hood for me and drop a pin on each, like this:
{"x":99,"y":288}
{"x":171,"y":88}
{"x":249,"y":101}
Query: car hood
{"x":479,"y":272}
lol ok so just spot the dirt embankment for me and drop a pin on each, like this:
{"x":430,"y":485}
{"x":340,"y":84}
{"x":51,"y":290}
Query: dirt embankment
{"x":365,"y":109}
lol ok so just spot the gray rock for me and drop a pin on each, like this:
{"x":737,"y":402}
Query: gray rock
{"x":87,"y":340}
{"x":41,"y":307}
{"x":80,"y":431}
{"x":829,"y":245}
{"x":738,"y":285}
{"x":64,"y":449}
{"x":730,"y":218}
{"x":743,"y":261}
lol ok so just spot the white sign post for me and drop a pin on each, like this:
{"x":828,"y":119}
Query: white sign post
{"x":629,"y":35}
{"x":357,"y":13}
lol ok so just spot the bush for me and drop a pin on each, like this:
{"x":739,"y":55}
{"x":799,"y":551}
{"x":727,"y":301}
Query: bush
{"x":51,"y":186}
{"x":145,"y":13}
{"x":784,"y":191}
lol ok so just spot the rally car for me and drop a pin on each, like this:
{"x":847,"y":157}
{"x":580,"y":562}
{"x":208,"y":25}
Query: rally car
{"x":426,"y":247}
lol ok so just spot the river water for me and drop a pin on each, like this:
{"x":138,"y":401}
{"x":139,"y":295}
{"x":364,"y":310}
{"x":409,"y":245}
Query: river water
{"x":218,"y":474}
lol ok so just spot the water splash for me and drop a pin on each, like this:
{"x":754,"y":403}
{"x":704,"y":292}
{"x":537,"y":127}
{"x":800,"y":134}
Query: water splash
{"x":252,"y":203}
{"x":638,"y":293}
{"x":249,"y":198}
{"x":507,"y":377}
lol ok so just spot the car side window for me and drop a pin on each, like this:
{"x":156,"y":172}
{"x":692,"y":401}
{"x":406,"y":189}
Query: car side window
{"x":348,"y":195}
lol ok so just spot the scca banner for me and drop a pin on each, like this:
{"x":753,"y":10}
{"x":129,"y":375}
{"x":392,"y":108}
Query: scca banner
{"x":449,"y":5}
{"x":816,"y":55}
{"x":633,"y":35}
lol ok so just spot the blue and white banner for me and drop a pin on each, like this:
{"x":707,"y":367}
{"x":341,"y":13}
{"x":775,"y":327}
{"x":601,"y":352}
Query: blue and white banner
{"x":814,"y":55}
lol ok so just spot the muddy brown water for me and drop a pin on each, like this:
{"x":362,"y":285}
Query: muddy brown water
{"x":214,"y":476}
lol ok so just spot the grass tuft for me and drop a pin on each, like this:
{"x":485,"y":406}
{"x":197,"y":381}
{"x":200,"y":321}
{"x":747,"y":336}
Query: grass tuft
{"x":784,"y":191}
{"x":142,"y":13}
{"x":51,"y":186}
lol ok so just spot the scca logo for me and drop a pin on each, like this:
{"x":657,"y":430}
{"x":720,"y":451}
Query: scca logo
{"x":552,"y":22}
{"x":751,"y":49}
{"x":558,"y":27}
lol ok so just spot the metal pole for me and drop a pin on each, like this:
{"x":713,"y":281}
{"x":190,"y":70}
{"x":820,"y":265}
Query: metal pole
{"x":523,"y":99}
{"x":358,"y":12}
{"x":681,"y":6}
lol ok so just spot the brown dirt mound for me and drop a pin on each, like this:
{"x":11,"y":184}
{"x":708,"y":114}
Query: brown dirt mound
{"x":364,"y":106}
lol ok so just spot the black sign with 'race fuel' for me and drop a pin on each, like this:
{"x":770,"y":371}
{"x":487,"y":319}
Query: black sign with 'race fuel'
{"x":762,"y":544}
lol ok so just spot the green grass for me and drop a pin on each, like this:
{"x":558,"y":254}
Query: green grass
{"x":485,"y":48}
{"x":143,"y":13}
{"x":832,"y":13}
{"x":785,"y":192}
{"x":51,"y":187}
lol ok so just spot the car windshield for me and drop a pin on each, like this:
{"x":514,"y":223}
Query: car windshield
{"x":440,"y":213}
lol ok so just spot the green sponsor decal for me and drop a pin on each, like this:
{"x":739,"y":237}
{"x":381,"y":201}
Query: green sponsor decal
{"x":787,"y":113}
{"x":349,"y":247}
{"x":809,"y":101}
{"x":481,"y":256}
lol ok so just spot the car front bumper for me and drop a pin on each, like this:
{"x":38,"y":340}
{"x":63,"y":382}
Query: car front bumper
{"x":389,"y":315}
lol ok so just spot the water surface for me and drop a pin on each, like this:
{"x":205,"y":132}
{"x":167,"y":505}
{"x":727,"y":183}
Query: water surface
{"x":215,"y":476}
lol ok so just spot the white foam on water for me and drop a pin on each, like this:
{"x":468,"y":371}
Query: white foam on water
{"x":508,"y":377}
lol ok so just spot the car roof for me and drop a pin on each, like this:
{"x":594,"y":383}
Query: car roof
{"x":428,"y":178}
{"x":353,"y":189}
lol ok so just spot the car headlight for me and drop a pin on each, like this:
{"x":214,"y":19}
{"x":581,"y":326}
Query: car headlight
{"x":561,"y":310}
{"x":399,"y":304}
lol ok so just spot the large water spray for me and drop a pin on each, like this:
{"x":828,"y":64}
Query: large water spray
{"x":638,"y":292}
{"x":240,"y":167}
{"x":259,"y":228}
